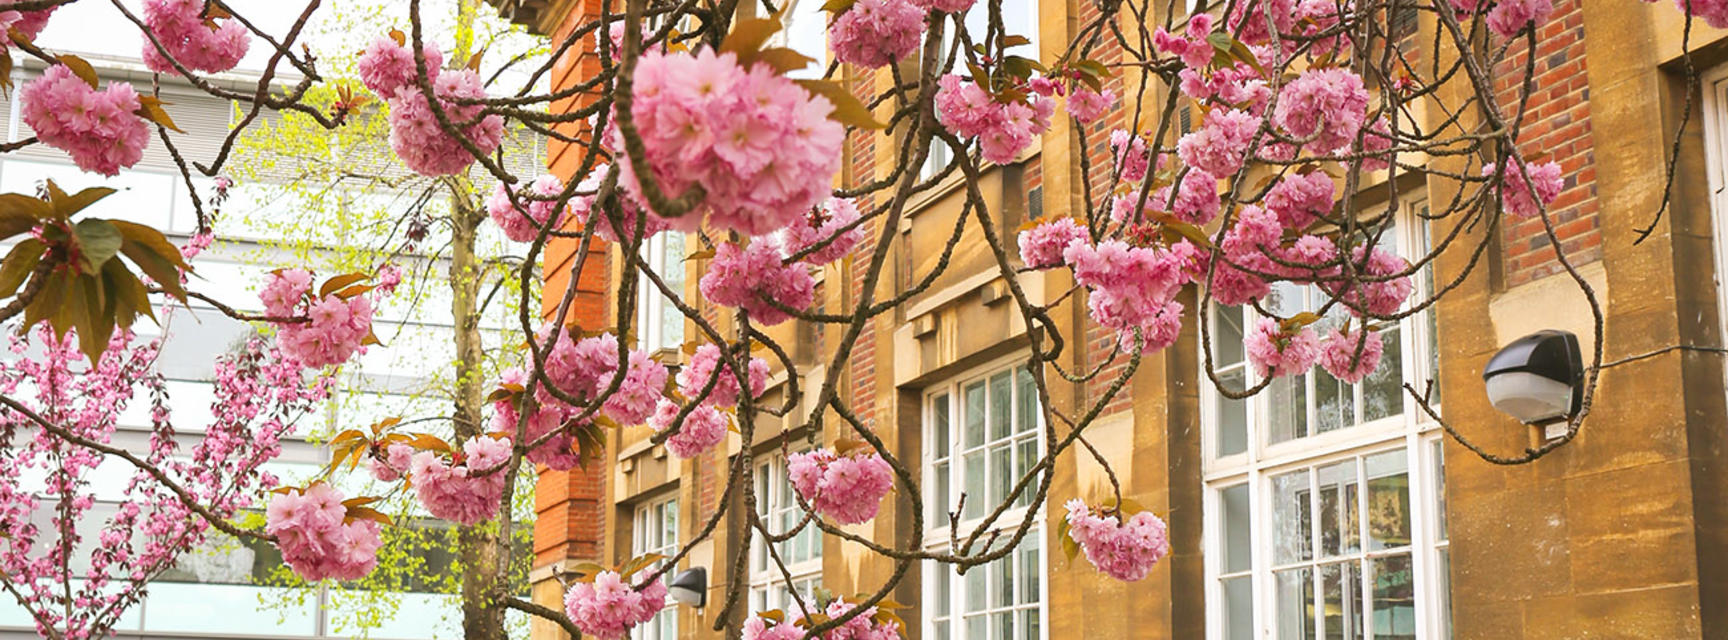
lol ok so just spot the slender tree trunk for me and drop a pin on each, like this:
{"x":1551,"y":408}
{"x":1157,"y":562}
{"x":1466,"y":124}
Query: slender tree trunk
{"x":483,"y":569}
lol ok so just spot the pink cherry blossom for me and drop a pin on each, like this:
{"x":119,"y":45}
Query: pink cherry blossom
{"x":393,"y":464}
{"x":587,"y":367}
{"x":386,"y":66}
{"x":1197,"y":198}
{"x":29,"y":23}
{"x":607,"y":608}
{"x":211,"y":47}
{"x":1003,"y":130}
{"x":424,"y":146}
{"x":847,"y":488}
{"x":1376,"y":290}
{"x":559,"y":452}
{"x":1339,"y":357}
{"x":1124,"y":550}
{"x":316,"y":538}
{"x":336,"y":327}
{"x":99,"y":129}
{"x":750,"y":277}
{"x":1299,"y":199}
{"x":1192,"y":46}
{"x":519,"y":225}
{"x":1249,"y":20}
{"x":835,"y":215}
{"x":457,"y":491}
{"x":582,"y":205}
{"x":703,"y":364}
{"x":1041,"y":246}
{"x":1508,"y":17}
{"x":1131,"y":156}
{"x":703,"y":428}
{"x":1516,"y":197}
{"x":1276,"y":352}
{"x":876,"y":33}
{"x":1313,"y":250}
{"x":761,"y":147}
{"x":1323,"y":108}
{"x":1220,"y":144}
{"x":1087,"y":105}
{"x":1714,"y":12}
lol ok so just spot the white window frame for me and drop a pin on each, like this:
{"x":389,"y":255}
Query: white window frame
{"x":651,"y":305}
{"x":1410,"y":431}
{"x":645,"y":540}
{"x":768,"y":586}
{"x":939,"y":532}
{"x":1715,"y":89}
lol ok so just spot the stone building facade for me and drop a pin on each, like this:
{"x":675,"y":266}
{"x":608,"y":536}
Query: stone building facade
{"x":1314,"y":509}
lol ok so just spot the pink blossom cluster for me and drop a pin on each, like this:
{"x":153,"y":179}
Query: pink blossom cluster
{"x":761,"y":147}
{"x":422,"y":145}
{"x":1003,"y":129}
{"x":387,"y":66}
{"x":1192,"y":46}
{"x":1087,"y":106}
{"x":335,"y":329}
{"x":1299,"y":199}
{"x":705,"y":365}
{"x":29,"y":23}
{"x":608,"y":608}
{"x":1132,"y":290}
{"x":587,"y":367}
{"x":1714,"y":12}
{"x":1323,"y":108}
{"x":1248,"y":20}
{"x":558,"y":452}
{"x":1378,"y":290}
{"x":1124,"y":550}
{"x":702,"y":428}
{"x":1315,"y":17}
{"x":99,"y":129}
{"x":1508,"y":17}
{"x":197,"y":44}
{"x":1351,"y":355}
{"x":876,"y":33}
{"x":582,"y":206}
{"x":1196,"y":201}
{"x":1315,"y":253}
{"x":861,"y":627}
{"x":1128,"y":151}
{"x":1276,"y":352}
{"x":750,"y":277}
{"x":1042,"y":246}
{"x":1221,"y":143}
{"x":847,"y":488}
{"x":831,"y":221}
{"x":457,"y":490}
{"x":1237,"y":85}
{"x":393,"y":464}
{"x":1516,"y":198}
{"x":316,"y":538}
{"x":521,"y":225}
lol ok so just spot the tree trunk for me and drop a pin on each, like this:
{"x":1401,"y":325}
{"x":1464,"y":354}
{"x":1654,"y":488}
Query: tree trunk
{"x":483,"y":569}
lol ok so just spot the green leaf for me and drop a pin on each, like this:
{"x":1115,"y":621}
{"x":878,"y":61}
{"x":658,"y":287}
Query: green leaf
{"x":126,"y":294}
{"x":79,"y":68}
{"x":1014,"y":41}
{"x":150,"y":108}
{"x":91,"y":315}
{"x":838,"y":7}
{"x":848,"y":110}
{"x":98,"y":240}
{"x":18,"y":264}
{"x":48,"y":299}
{"x":1092,"y":68}
{"x":1220,"y":41}
{"x":65,"y":205}
{"x":1070,"y":547}
{"x":32,"y":206}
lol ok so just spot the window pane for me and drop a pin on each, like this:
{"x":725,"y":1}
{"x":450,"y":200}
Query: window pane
{"x":939,"y":502}
{"x":1445,"y":594}
{"x":671,"y":270}
{"x":1000,"y":424}
{"x":1003,"y":626}
{"x":1438,"y":478}
{"x":944,"y":589}
{"x":939,"y":414}
{"x":1029,"y":624}
{"x":977,"y":627}
{"x":977,"y":588}
{"x":1295,"y":604}
{"x":974,"y":490}
{"x":1290,"y":530}
{"x":1025,"y":458}
{"x":1002,"y":594}
{"x":1001,"y":474}
{"x":1232,"y":415}
{"x":1342,"y":585}
{"x":1383,"y":391}
{"x":1340,"y":524}
{"x":1394,"y":601}
{"x":1388,"y":500}
{"x":1287,"y":408}
{"x":1226,"y":336}
{"x":1239,"y":609}
{"x":1031,"y":570}
{"x":974,"y":418}
{"x":1026,"y":402}
{"x":1334,"y":403}
{"x":1237,"y":545}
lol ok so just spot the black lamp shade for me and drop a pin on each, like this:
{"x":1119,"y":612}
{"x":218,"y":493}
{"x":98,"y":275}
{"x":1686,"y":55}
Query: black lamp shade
{"x":690,"y":587}
{"x":1537,"y":378}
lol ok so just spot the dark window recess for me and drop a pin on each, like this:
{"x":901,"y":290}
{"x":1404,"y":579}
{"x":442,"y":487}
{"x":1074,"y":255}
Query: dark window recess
{"x":1035,"y":203}
{"x":1185,"y":119}
{"x":1404,"y":16}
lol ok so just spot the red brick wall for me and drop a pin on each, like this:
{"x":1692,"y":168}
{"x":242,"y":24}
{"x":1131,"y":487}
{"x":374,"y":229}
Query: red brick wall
{"x":1557,"y":123}
{"x":1101,"y":342}
{"x":569,"y":505}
